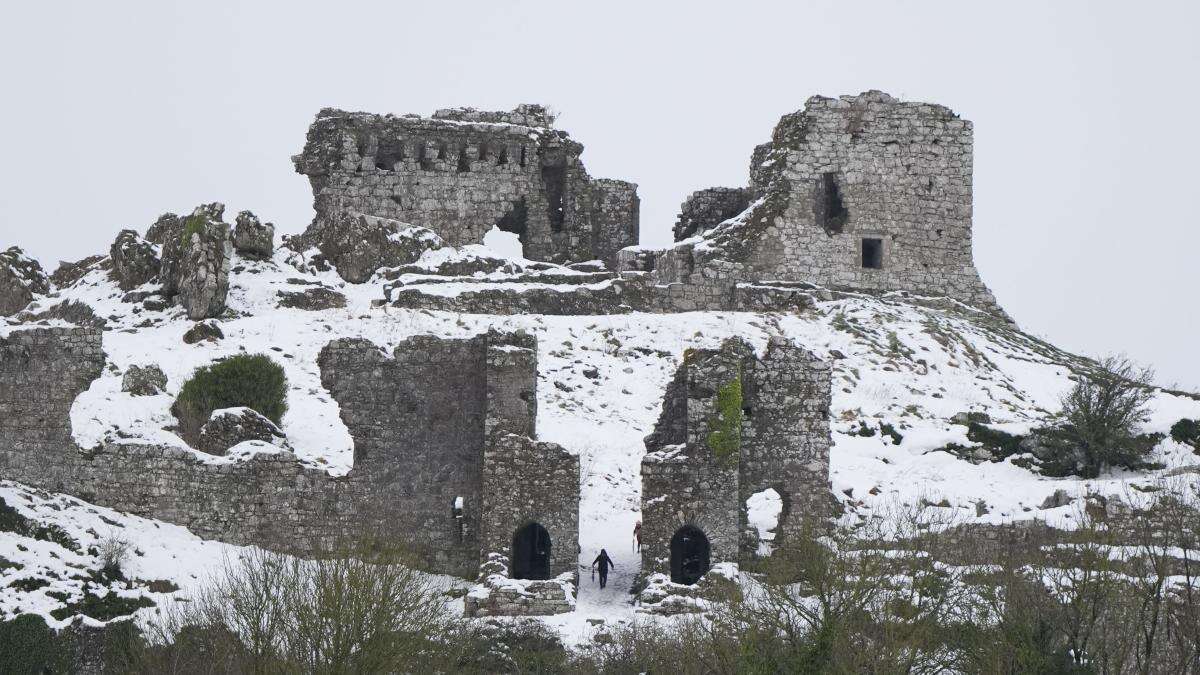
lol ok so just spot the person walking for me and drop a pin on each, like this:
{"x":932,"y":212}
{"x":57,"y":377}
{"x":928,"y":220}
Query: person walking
{"x":605,"y":563}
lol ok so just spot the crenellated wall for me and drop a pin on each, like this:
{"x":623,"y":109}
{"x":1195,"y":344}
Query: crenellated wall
{"x":462,"y":172}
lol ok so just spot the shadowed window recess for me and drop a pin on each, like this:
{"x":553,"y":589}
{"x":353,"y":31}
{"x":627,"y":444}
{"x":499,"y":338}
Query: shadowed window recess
{"x":872,"y":253}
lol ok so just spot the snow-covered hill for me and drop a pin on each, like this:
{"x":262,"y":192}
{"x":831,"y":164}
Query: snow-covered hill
{"x":897,"y":361}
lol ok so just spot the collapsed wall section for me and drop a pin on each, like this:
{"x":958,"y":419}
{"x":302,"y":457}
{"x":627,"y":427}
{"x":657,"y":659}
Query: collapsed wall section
{"x":422,"y":420}
{"x":462,"y":172}
{"x":734,"y":424}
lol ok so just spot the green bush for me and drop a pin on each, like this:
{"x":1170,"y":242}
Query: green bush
{"x":1100,"y":423}
{"x":252,"y":381}
{"x":102,"y":608}
{"x":28,"y":645}
{"x":1187,"y":432}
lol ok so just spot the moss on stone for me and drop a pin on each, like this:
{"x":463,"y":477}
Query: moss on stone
{"x":193,"y":224}
{"x":725,"y":439}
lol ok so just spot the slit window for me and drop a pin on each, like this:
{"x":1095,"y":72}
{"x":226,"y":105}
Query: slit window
{"x":872,"y":253}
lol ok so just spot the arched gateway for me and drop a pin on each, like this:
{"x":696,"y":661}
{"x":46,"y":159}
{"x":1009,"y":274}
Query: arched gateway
{"x":531,"y":553}
{"x":689,"y":555}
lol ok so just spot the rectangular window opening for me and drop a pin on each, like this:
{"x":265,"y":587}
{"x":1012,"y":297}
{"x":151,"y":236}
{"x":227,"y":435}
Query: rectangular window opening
{"x":872,"y":253}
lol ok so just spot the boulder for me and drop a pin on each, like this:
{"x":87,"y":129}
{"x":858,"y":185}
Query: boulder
{"x":358,"y":245}
{"x":251,"y":238}
{"x":312,"y":299}
{"x":144,"y":380}
{"x":134,"y":260}
{"x":229,"y":426}
{"x":203,"y":331}
{"x":195,"y":265}
{"x":21,"y":277}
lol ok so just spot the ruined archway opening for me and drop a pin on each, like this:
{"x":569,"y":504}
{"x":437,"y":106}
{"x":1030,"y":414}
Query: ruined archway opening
{"x":507,"y":236}
{"x":689,"y":555}
{"x":531,"y":553}
{"x":829,"y":208}
{"x":554,"y":179}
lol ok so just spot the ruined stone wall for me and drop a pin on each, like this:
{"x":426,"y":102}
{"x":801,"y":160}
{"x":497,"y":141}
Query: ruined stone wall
{"x":864,"y":193}
{"x":690,"y":477}
{"x":462,"y":172}
{"x":529,"y":481}
{"x":705,"y":208}
{"x":786,"y":437}
{"x":417,"y":419}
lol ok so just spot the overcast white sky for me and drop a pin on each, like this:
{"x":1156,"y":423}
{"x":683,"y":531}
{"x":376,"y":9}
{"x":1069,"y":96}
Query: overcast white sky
{"x":1085,"y":114}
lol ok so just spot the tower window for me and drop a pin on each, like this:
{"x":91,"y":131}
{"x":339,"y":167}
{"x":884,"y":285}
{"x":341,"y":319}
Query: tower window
{"x":872,"y":253}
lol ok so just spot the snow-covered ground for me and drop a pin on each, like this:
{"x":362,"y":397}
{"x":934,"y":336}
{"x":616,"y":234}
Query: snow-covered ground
{"x":601,"y":380}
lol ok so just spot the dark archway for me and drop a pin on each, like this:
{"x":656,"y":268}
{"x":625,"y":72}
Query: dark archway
{"x":531,"y":553}
{"x":689,"y":555}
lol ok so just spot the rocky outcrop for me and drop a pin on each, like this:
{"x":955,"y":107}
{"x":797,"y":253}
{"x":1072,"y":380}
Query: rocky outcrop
{"x":252,"y":238}
{"x":168,"y":227}
{"x":228,"y":427}
{"x":21,"y":278}
{"x":358,"y":245}
{"x":68,"y":273}
{"x":134,"y":260}
{"x":204,"y":331}
{"x":195,"y":265}
{"x":71,"y":311}
{"x":312,"y":299}
{"x":143,"y":380}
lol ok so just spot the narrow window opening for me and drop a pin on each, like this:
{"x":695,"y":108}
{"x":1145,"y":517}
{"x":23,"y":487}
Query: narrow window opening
{"x":872,"y":253}
{"x":388,"y":154}
{"x":441,"y":154}
{"x":483,"y":152}
{"x":829,"y":209}
{"x":503,"y":158}
{"x":522,"y":156}
{"x":456,"y":511}
{"x":554,"y":178}
{"x":464,"y":162}
{"x":423,"y":157}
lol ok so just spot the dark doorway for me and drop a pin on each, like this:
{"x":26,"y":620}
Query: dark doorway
{"x":689,"y":555}
{"x":531,"y":553}
{"x":872,"y":253}
{"x":554,"y":178}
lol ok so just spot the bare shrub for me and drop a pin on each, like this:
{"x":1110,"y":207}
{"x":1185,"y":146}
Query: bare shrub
{"x":363,"y":611}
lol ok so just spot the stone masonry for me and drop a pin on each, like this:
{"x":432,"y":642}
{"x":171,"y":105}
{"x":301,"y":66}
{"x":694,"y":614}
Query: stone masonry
{"x":423,"y":421}
{"x":462,"y":172}
{"x":856,"y":193}
{"x":780,"y":440}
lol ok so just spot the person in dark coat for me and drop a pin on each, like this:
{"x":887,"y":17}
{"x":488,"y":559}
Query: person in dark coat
{"x":605,"y":563}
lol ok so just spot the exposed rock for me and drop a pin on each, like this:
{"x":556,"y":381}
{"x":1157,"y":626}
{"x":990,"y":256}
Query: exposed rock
{"x":144,"y":380}
{"x":168,"y":227}
{"x":71,"y":311}
{"x":205,"y":330}
{"x":1059,"y":498}
{"x":358,"y":245}
{"x":966,"y":418}
{"x":230,"y":426}
{"x":312,"y":299}
{"x":195,"y":265}
{"x":21,"y":277}
{"x":134,"y":260}
{"x":251,"y":238}
{"x":70,"y":272}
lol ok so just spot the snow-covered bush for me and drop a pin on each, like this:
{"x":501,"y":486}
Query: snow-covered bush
{"x":250,"y":381}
